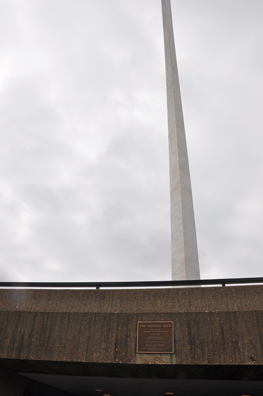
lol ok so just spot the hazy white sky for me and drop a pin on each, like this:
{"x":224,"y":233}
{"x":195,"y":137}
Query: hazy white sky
{"x":84,"y":183}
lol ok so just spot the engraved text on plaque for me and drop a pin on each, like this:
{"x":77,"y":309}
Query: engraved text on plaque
{"x":155,"y":337}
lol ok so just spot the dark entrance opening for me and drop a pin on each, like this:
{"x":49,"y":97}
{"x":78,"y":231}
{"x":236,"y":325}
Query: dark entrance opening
{"x":83,"y":379}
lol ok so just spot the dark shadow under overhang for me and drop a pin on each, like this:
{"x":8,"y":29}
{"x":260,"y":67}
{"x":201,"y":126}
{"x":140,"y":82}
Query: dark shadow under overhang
{"x":80,"y":378}
{"x":153,"y":371}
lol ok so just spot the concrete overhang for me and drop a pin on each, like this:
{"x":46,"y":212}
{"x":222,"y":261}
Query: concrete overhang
{"x":75,"y":337}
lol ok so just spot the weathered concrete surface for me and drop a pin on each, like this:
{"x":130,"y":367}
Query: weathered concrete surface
{"x":213,"y":326}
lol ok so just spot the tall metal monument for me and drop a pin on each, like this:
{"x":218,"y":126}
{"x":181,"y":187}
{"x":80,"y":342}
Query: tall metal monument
{"x":185,"y":264}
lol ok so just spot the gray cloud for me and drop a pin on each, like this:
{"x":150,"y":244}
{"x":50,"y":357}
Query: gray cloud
{"x":84,"y":190}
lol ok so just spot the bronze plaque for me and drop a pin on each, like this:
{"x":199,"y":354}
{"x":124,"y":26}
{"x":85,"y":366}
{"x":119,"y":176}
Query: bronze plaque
{"x":155,"y":337}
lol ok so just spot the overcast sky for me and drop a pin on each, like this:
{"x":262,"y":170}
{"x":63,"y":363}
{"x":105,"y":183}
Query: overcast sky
{"x":84,"y":177}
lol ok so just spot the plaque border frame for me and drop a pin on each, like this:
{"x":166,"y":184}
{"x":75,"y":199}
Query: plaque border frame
{"x":154,"y":321}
